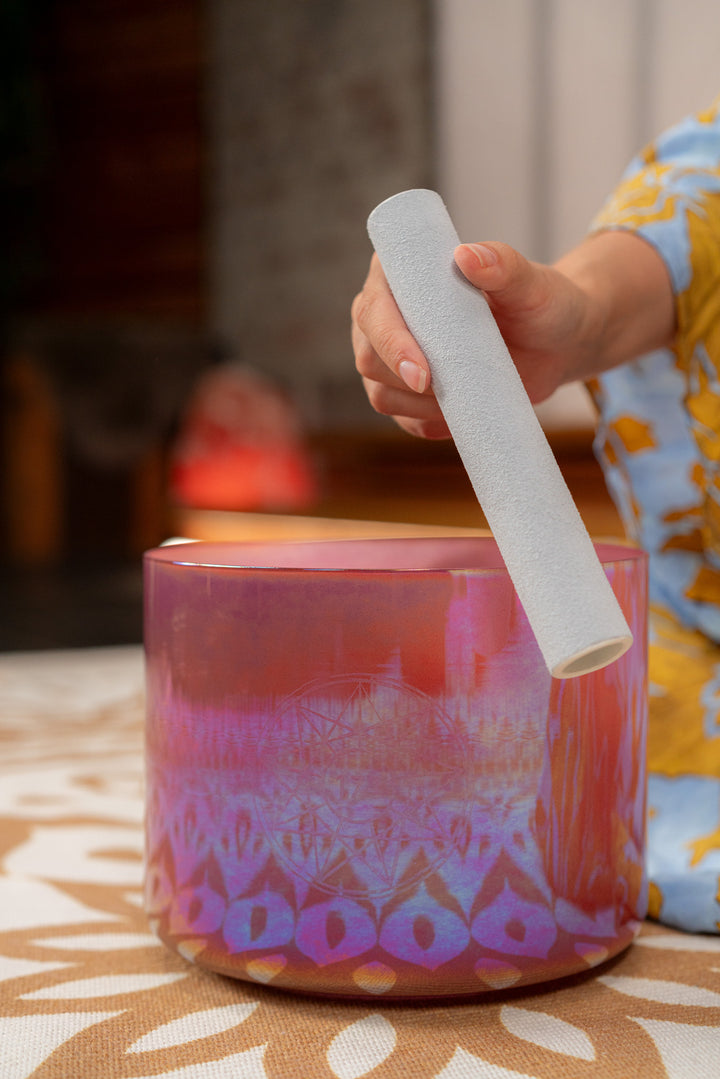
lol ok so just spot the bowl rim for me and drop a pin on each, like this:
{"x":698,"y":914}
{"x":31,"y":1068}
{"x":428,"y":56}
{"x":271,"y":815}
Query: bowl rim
{"x":286,"y":556}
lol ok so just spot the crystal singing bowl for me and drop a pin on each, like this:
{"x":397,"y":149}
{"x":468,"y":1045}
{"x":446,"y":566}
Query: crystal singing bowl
{"x":362,"y":780}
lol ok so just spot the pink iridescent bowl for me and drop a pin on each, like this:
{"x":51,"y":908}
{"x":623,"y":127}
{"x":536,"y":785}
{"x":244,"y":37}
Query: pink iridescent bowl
{"x":362,"y":780}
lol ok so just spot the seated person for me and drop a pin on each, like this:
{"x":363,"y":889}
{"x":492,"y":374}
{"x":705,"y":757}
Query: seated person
{"x":634,"y":311}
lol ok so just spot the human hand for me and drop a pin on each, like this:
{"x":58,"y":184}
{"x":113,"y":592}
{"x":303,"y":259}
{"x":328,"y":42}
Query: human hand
{"x":539,"y":312}
{"x":605,"y":302}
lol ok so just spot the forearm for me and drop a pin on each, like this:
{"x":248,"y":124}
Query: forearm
{"x":631,"y":307}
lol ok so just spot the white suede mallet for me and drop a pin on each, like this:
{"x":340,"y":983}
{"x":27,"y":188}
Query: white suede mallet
{"x":550,"y":557}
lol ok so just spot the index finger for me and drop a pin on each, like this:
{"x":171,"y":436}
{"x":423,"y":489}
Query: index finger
{"x":378,"y":317}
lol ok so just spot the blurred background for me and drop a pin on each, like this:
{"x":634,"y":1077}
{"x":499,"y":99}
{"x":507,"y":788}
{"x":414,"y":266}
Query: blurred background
{"x":185,"y":185}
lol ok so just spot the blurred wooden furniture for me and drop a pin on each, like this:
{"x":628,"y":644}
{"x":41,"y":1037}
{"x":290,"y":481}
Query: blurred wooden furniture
{"x":389,"y":477}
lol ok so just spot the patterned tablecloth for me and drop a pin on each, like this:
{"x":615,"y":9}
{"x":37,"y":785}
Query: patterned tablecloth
{"x":86,"y":991}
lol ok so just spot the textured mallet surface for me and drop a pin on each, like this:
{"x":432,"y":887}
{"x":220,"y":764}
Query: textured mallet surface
{"x":550,"y":557}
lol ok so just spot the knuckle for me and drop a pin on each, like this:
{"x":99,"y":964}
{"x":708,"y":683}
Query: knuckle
{"x":376,"y":322}
{"x":364,"y":361}
{"x":433,"y":429}
{"x":379,"y":397}
{"x":359,"y":309}
{"x":415,"y":427}
{"x":388,"y":347}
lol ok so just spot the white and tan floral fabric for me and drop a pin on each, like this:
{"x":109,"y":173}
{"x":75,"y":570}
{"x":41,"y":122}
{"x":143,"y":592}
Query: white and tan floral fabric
{"x":86,"y":991}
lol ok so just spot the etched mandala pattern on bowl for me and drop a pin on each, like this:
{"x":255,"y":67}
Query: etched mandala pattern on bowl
{"x":341,"y":805}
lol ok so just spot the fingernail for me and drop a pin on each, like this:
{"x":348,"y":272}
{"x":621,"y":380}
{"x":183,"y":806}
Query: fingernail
{"x":485,"y":255}
{"x":413,"y":375}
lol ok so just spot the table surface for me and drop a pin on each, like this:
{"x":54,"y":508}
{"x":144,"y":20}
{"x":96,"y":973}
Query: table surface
{"x":86,"y":990}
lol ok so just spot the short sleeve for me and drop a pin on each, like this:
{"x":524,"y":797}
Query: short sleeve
{"x":668,"y":480}
{"x":670,"y":195}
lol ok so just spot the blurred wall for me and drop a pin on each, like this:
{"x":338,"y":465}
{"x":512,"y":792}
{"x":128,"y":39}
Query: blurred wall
{"x":317,"y":111}
{"x":542,"y":103}
{"x":122,"y":204}
{"x":523,"y":113}
{"x":102,"y":283}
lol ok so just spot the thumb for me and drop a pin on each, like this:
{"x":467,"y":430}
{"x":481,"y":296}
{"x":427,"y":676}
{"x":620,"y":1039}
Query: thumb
{"x":507,"y":277}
